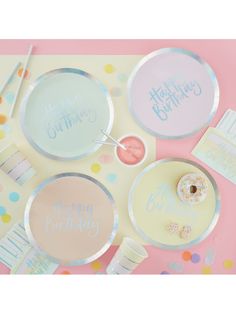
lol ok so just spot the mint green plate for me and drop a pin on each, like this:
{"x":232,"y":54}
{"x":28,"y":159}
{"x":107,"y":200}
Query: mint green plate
{"x":63,"y":113}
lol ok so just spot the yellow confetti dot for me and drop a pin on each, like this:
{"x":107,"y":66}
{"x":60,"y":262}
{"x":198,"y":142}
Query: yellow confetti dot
{"x":109,"y":68}
{"x":6,"y":218}
{"x":3,"y":119}
{"x":95,"y":168}
{"x":96,"y":265}
{"x":206,"y":270}
{"x":228,"y":264}
{"x":2,"y":134}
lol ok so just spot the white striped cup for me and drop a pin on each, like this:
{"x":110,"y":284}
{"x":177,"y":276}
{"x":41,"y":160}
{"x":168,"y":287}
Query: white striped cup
{"x":128,"y":256}
{"x":16,"y":165}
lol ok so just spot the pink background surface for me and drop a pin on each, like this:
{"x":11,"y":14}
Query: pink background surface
{"x":220,"y":54}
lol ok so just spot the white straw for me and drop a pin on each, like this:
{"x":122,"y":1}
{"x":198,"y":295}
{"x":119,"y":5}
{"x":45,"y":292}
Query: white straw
{"x":8,"y":79}
{"x":21,"y":81}
{"x":106,"y":143}
{"x":113,"y":140}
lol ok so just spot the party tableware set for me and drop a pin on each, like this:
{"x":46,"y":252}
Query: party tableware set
{"x":67,"y":114}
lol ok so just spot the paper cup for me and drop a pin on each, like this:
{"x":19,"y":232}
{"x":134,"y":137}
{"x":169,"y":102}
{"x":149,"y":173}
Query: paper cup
{"x":128,"y":256}
{"x":16,"y":165}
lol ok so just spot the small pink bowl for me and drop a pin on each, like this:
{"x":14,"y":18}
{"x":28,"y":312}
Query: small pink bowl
{"x":136,"y":150}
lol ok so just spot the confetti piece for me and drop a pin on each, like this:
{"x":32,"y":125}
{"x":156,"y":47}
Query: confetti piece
{"x":164,"y":272}
{"x":112,"y":177}
{"x":65,"y":272}
{"x":106,"y":159}
{"x":6,"y":218}
{"x":2,"y":134}
{"x":20,"y":71}
{"x":14,"y":197}
{"x":6,"y":128}
{"x":96,"y":265}
{"x":95,"y":168}
{"x":186,"y":256}
{"x":195,"y":258}
{"x":210,"y":256}
{"x":9,"y":97}
{"x":109,"y":68}
{"x":115,"y":91}
{"x":2,"y":210}
{"x":228,"y":264}
{"x":122,"y":77}
{"x":178,"y":267}
{"x":3,"y":119}
{"x":206,"y":270}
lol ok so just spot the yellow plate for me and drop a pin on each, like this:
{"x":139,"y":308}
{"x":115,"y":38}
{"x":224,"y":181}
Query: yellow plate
{"x":154,"y":203}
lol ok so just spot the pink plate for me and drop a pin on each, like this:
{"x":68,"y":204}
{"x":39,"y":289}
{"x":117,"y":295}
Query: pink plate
{"x":173,"y":93}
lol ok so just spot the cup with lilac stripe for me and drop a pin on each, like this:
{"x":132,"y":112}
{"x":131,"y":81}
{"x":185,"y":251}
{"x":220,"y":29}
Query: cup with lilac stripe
{"x":16,"y":165}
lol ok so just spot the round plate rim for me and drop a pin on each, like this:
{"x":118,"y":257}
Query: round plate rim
{"x":199,"y":239}
{"x":49,"y":74}
{"x":195,"y":57}
{"x":35,"y":193}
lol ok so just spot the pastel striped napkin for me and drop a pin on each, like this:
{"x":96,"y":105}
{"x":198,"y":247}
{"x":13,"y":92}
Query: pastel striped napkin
{"x":17,"y":254}
{"x":14,"y":245}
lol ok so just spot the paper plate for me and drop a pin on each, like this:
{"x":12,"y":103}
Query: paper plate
{"x":64,"y":112}
{"x":173,"y":93}
{"x":63,"y":221}
{"x":154,"y":203}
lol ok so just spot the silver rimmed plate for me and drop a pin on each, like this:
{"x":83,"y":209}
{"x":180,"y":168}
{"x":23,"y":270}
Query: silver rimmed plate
{"x":71,"y":218}
{"x":173,"y":93}
{"x":63,"y":113}
{"x":154,"y":204}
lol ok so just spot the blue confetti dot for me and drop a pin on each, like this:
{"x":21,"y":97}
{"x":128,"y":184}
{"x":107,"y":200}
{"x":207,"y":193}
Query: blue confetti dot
{"x":9,"y":97}
{"x":178,"y":267}
{"x":122,"y":77}
{"x":112,"y":177}
{"x":196,"y":258}
{"x":14,"y":197}
{"x":6,"y":128}
{"x":2,"y":211}
{"x":210,"y":256}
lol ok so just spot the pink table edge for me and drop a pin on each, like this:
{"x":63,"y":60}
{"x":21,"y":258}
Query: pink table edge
{"x":99,"y":46}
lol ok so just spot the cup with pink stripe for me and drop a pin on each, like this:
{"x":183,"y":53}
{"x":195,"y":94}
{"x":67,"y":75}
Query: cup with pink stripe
{"x":16,"y":165}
